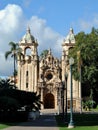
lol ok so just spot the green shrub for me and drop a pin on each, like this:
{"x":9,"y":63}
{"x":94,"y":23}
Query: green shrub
{"x":8,"y":104}
{"x":87,"y":105}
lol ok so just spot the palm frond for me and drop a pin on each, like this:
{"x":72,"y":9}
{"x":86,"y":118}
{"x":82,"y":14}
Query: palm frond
{"x":7,"y":54}
{"x":12,"y":44}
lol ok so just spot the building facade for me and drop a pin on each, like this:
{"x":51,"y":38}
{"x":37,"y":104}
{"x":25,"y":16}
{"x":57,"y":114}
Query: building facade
{"x":48,"y":76}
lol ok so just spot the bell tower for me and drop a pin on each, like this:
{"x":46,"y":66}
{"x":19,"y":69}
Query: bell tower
{"x":69,"y":43}
{"x":28,"y":63}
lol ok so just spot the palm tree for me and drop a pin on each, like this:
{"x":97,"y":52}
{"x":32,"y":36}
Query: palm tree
{"x":44,"y":53}
{"x":14,"y":51}
{"x":6,"y":84}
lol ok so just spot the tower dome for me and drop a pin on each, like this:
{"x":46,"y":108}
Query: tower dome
{"x":70,"y":38}
{"x":28,"y":38}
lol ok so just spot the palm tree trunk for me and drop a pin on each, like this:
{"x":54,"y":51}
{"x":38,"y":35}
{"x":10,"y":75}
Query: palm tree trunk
{"x":14,"y":71}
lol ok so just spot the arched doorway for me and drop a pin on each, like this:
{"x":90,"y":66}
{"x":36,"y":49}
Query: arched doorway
{"x":49,"y":101}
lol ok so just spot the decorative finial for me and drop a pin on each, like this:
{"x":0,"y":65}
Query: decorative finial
{"x":49,"y":51}
{"x":28,"y":29}
{"x":71,"y":30}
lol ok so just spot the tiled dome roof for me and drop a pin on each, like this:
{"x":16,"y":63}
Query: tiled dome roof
{"x":28,"y":38}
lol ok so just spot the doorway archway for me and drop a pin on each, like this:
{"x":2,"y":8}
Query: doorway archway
{"x":49,"y":102}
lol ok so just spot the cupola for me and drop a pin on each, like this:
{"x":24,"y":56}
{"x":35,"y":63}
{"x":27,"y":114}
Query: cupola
{"x":28,"y":38}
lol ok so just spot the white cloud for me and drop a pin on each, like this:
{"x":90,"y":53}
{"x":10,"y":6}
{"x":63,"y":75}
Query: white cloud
{"x":6,"y":67}
{"x":46,"y":36}
{"x":86,"y":24}
{"x":41,"y":10}
{"x":26,"y":3}
{"x":11,"y":20}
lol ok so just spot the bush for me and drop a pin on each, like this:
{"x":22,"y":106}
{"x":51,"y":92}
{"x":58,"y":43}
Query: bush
{"x":87,"y":105}
{"x":18,"y":116}
{"x":15,"y":104}
{"x":8,"y":104}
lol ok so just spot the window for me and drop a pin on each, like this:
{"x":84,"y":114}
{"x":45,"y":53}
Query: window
{"x":49,"y":76}
{"x":74,"y":104}
{"x":26,"y":73}
{"x":68,"y":104}
{"x":26,"y":85}
{"x":26,"y":79}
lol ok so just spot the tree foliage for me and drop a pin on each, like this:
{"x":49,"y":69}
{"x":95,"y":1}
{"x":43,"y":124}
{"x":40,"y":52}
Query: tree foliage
{"x":12,"y":98}
{"x":6,"y":84}
{"x":14,"y":51}
{"x":44,"y":53}
{"x":87,"y":45}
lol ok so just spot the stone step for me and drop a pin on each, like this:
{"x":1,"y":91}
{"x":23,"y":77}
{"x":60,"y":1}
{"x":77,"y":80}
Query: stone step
{"x":48,"y":112}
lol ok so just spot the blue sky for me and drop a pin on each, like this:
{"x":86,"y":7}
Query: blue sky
{"x":49,"y":20}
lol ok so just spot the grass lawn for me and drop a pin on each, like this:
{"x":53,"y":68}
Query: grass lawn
{"x":85,"y":121}
{"x":4,"y":125}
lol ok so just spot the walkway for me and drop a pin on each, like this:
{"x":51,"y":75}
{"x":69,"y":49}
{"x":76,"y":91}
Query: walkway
{"x":45,"y":122}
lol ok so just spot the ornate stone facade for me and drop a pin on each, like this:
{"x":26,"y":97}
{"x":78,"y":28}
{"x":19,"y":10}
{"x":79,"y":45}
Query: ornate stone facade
{"x":48,"y":76}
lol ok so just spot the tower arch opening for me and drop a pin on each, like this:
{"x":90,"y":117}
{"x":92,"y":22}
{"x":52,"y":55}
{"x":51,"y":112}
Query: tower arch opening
{"x":28,"y":51}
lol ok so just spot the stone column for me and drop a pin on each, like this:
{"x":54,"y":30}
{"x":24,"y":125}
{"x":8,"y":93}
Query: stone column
{"x":42,"y":107}
{"x":35,"y":89}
